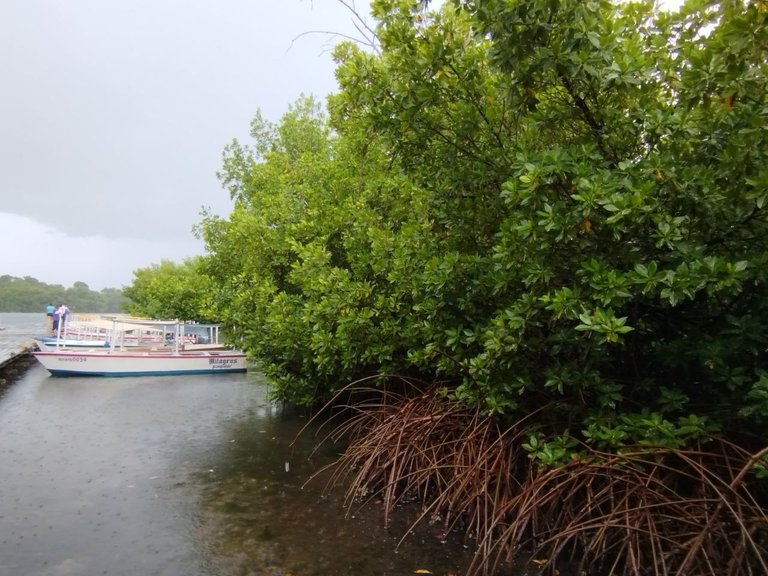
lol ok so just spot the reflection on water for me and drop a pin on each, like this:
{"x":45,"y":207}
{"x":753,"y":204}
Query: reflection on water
{"x":257,"y":519}
{"x":179,"y":476}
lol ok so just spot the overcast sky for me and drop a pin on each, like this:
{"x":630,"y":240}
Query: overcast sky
{"x":114,"y":115}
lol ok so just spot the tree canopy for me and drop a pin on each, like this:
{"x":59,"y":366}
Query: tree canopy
{"x":170,"y":290}
{"x":540,"y":203}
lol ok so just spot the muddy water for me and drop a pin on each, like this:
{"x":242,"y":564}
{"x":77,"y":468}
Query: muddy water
{"x":180,"y":476}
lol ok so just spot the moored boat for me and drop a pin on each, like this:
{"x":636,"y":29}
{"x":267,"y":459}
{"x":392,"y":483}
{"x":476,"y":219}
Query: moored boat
{"x":95,"y":362}
{"x":184,"y":349}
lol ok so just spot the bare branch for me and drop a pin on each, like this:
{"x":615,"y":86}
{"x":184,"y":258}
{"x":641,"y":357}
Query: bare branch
{"x":368,"y":36}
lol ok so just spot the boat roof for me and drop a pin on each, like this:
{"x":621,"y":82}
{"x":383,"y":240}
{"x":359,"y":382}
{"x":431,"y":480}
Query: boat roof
{"x":126,"y":322}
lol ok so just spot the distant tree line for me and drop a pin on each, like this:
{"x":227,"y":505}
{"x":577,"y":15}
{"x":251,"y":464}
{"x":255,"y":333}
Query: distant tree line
{"x":30,"y":295}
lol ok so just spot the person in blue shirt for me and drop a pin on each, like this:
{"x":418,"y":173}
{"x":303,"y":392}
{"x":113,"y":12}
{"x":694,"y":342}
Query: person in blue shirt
{"x":49,"y":310}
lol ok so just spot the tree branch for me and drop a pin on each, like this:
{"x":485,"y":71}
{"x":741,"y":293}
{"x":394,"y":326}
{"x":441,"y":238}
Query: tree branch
{"x":594,"y":124}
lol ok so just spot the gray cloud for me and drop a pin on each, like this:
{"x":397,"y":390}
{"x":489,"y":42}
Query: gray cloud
{"x":114,"y":113}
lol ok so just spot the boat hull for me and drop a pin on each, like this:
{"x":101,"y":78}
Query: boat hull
{"x":106,"y":363}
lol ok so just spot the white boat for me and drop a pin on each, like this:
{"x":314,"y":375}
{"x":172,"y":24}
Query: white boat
{"x":185,"y":349}
{"x":95,"y":362}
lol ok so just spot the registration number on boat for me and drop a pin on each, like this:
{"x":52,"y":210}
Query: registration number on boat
{"x":222,"y":362}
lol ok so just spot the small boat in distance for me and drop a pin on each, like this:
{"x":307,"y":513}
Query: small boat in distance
{"x":141,"y":347}
{"x":52,"y":342}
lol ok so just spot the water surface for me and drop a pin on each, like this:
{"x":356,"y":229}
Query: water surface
{"x":179,"y":476}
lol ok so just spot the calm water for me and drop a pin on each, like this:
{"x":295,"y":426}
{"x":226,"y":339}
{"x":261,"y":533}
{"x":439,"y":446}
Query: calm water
{"x":178,"y":476}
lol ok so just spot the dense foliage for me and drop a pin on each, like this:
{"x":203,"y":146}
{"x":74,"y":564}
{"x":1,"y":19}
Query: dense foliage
{"x":543,"y":204}
{"x":170,"y":290}
{"x":30,"y":295}
{"x":552,"y":212}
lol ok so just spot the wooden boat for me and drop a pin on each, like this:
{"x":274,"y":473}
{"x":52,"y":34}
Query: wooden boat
{"x":185,"y":349}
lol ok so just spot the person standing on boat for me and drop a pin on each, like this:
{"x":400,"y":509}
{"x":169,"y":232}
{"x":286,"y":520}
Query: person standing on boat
{"x":49,"y":310}
{"x":60,"y":317}
{"x":64,"y":314}
{"x":57,"y":317}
